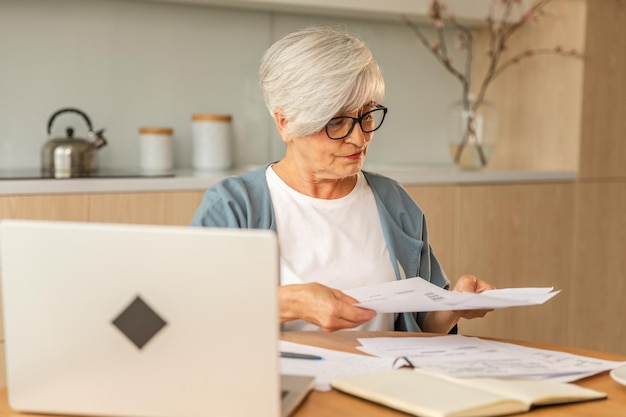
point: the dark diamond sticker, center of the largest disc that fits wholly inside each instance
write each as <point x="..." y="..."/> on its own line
<point x="139" y="322"/>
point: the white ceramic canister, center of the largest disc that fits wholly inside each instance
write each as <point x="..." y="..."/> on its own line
<point x="156" y="150"/>
<point x="212" y="144"/>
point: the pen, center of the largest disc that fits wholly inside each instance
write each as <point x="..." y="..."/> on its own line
<point x="293" y="355"/>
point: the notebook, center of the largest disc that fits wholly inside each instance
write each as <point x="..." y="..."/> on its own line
<point x="135" y="320"/>
<point x="428" y="394"/>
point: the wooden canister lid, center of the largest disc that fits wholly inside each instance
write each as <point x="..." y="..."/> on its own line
<point x="208" y="117"/>
<point x="156" y="130"/>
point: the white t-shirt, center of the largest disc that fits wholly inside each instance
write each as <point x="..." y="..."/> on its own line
<point x="338" y="243"/>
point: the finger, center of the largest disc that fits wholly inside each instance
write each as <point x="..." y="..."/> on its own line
<point x="353" y="313"/>
<point x="348" y="320"/>
<point x="357" y="314"/>
<point x="483" y="286"/>
<point x="469" y="283"/>
<point x="466" y="283"/>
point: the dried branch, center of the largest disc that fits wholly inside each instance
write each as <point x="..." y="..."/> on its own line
<point x="435" y="49"/>
<point x="467" y="44"/>
<point x="490" y="76"/>
<point x="500" y="31"/>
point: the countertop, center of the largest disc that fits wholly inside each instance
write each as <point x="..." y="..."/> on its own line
<point x="187" y="180"/>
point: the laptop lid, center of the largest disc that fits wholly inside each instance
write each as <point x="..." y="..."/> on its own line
<point x="135" y="320"/>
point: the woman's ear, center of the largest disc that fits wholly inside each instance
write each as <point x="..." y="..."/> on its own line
<point x="281" y="123"/>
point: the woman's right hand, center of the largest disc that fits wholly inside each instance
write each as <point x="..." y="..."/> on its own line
<point x="327" y="308"/>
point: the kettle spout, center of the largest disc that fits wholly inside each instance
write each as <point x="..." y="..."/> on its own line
<point x="100" y="140"/>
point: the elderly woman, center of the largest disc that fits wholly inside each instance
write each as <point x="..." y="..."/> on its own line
<point x="338" y="227"/>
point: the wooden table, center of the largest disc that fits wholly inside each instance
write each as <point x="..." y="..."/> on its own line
<point x="336" y="404"/>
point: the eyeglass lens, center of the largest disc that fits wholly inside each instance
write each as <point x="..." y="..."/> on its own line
<point x="340" y="127"/>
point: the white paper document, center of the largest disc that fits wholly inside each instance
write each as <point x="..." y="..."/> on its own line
<point x="463" y="356"/>
<point x="417" y="294"/>
<point x="333" y="363"/>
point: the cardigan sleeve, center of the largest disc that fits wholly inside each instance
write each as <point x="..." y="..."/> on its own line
<point x="241" y="201"/>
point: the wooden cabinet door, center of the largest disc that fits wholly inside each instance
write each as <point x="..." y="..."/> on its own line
<point x="164" y="208"/>
<point x="519" y="235"/>
<point x="70" y="207"/>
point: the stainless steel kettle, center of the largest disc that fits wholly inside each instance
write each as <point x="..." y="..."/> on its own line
<point x="70" y="157"/>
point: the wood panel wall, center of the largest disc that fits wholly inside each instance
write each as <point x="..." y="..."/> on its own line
<point x="600" y="256"/>
<point x="603" y="131"/>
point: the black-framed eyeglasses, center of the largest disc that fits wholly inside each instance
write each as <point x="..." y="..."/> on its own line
<point x="341" y="126"/>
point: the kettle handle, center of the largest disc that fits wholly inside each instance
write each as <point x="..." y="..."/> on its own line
<point x="69" y="109"/>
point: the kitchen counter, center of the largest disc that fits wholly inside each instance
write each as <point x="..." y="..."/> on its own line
<point x="188" y="180"/>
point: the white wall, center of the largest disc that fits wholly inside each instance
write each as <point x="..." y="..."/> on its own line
<point x="129" y="64"/>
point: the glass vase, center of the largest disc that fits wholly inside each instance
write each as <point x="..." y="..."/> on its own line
<point x="473" y="132"/>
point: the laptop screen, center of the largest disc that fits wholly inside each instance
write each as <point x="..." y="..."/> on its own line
<point x="118" y="320"/>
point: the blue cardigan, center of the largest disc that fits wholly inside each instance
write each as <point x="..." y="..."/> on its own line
<point x="243" y="201"/>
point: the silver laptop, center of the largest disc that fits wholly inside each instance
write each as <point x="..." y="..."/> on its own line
<point x="142" y="321"/>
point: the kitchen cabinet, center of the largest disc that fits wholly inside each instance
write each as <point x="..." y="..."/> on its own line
<point x="520" y="236"/>
<point x="171" y="208"/>
<point x="439" y="205"/>
<point x="72" y="207"/>
<point x="599" y="279"/>
<point x="471" y="12"/>
<point x="3" y="368"/>
<point x="512" y="235"/>
<point x="168" y="208"/>
<point x="570" y="235"/>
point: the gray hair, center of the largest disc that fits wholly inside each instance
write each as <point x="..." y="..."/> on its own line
<point x="315" y="73"/>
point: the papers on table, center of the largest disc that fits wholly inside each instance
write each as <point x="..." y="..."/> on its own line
<point x="333" y="363"/>
<point x="463" y="356"/>
<point x="417" y="294"/>
<point x="455" y="355"/>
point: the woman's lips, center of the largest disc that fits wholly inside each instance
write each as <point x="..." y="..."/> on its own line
<point x="355" y="156"/>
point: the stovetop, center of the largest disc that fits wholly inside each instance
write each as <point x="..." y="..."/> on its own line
<point x="30" y="174"/>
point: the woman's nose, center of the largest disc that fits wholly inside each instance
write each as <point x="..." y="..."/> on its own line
<point x="357" y="136"/>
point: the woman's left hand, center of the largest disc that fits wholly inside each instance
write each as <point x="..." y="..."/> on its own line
<point x="469" y="283"/>
<point x="443" y="321"/>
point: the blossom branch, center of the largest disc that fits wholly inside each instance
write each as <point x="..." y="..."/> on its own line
<point x="437" y="12"/>
<point x="537" y="9"/>
<point x="500" y="31"/>
<point x="499" y="36"/>
<point x="492" y="75"/>
<point x="435" y="49"/>
<point x="534" y="52"/>
<point x="467" y="43"/>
